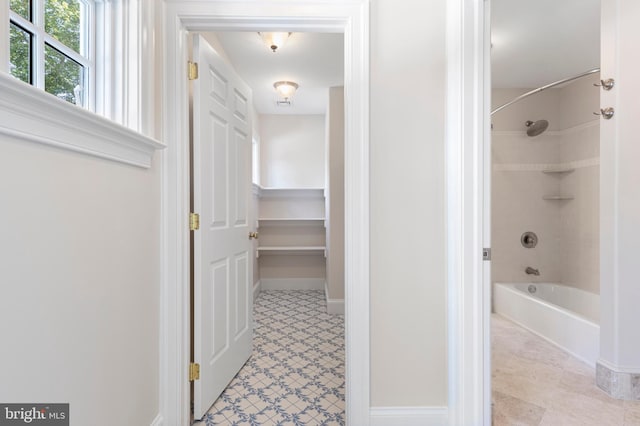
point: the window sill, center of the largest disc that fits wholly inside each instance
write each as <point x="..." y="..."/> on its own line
<point x="30" y="114"/>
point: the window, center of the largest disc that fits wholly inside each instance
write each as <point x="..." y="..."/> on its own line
<point x="255" y="161"/>
<point x="50" y="47"/>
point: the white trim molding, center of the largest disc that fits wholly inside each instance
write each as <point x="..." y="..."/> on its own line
<point x="181" y="16"/>
<point x="409" y="416"/>
<point x="257" y="288"/>
<point x="467" y="178"/>
<point x="334" y="306"/>
<point x="31" y="114"/>
<point x="157" y="421"/>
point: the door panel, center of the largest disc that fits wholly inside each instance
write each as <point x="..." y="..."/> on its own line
<point x="222" y="276"/>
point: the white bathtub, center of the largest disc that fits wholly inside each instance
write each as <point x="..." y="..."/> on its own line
<point x="566" y="316"/>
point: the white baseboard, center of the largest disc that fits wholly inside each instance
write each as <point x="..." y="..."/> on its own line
<point x="257" y="287"/>
<point x="292" y="283"/>
<point x="157" y="421"/>
<point x="334" y="306"/>
<point x="409" y="416"/>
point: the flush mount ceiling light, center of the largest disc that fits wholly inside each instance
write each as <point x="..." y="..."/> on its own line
<point x="285" y="89"/>
<point x="274" y="40"/>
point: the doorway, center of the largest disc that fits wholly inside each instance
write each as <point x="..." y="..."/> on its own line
<point x="544" y="173"/>
<point x="297" y="366"/>
<point x="181" y="17"/>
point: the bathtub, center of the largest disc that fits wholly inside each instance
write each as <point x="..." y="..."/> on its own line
<point x="565" y="316"/>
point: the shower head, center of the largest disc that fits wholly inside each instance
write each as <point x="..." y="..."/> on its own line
<point x="537" y="127"/>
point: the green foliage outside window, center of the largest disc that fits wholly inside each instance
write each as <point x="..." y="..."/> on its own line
<point x="22" y="8"/>
<point x="62" y="20"/>
<point x="20" y="53"/>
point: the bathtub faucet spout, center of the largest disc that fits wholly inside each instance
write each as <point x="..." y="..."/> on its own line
<point x="532" y="271"/>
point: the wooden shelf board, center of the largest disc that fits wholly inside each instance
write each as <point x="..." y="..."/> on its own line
<point x="557" y="197"/>
<point x="558" y="171"/>
<point x="291" y="250"/>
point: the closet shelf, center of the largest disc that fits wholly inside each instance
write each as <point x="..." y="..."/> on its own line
<point x="557" y="197"/>
<point x="291" y="221"/>
<point x="267" y="192"/>
<point x="291" y="250"/>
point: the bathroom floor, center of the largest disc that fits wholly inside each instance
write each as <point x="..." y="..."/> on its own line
<point x="295" y="375"/>
<point x="536" y="383"/>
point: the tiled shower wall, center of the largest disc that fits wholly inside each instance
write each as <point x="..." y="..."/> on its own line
<point x="568" y="231"/>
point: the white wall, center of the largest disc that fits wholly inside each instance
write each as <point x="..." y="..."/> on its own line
<point x="408" y="265"/>
<point x="80" y="284"/>
<point x="568" y="246"/>
<point x="292" y="151"/>
<point x="620" y="203"/>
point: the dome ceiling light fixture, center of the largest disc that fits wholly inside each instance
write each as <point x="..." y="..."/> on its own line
<point x="285" y="90"/>
<point x="274" y="41"/>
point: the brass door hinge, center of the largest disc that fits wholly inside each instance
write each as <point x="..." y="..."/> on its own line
<point x="194" y="372"/>
<point x="193" y="70"/>
<point x="194" y="221"/>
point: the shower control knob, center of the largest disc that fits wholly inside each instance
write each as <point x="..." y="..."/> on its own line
<point x="606" y="84"/>
<point x="606" y="113"/>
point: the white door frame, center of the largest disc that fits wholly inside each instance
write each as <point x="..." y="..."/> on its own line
<point x="468" y="198"/>
<point x="179" y="17"/>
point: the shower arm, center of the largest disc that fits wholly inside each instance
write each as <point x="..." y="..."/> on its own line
<point x="548" y="86"/>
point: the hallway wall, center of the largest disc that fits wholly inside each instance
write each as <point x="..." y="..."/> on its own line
<point x="80" y="283"/>
<point x="408" y="263"/>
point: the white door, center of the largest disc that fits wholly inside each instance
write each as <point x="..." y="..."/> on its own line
<point x="222" y="250"/>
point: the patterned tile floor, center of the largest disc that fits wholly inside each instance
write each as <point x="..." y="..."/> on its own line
<point x="536" y="383"/>
<point x="295" y="375"/>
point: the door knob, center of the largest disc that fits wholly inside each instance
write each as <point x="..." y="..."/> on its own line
<point x="253" y="235"/>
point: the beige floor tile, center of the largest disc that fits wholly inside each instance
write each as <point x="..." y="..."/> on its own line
<point x="585" y="384"/>
<point x="535" y="372"/>
<point x="560" y="418"/>
<point x="522" y="387"/>
<point x="510" y="411"/>
<point x="631" y="413"/>
<point x="582" y="406"/>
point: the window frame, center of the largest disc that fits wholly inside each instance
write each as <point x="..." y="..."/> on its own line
<point x="124" y="122"/>
<point x="40" y="39"/>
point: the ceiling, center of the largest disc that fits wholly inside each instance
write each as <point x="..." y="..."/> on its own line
<point x="542" y="41"/>
<point x="313" y="60"/>
<point x="534" y="43"/>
